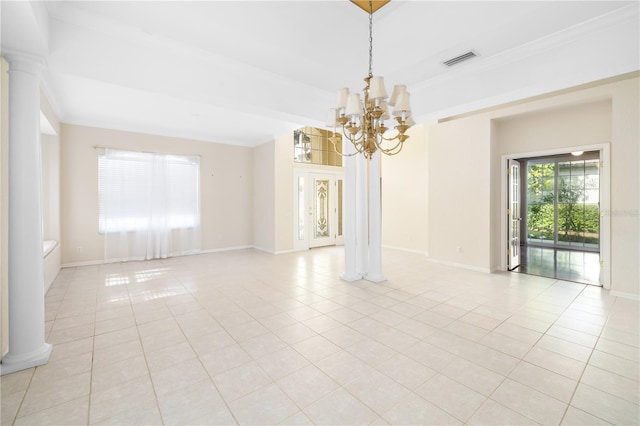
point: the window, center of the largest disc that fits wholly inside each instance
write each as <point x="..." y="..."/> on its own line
<point x="144" y="191"/>
<point x="315" y="146"/>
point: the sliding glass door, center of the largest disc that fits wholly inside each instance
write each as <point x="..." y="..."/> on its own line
<point x="578" y="204"/>
<point x="563" y="208"/>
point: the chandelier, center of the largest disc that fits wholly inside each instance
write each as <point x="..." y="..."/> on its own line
<point x="363" y="123"/>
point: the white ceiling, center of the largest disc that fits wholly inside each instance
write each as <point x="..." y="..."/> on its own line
<point x="243" y="72"/>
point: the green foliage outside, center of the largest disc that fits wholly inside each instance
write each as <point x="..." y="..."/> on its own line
<point x="577" y="221"/>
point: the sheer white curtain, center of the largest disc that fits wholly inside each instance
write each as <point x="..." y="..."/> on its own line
<point x="149" y="205"/>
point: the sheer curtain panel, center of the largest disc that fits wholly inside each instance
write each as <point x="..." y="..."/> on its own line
<point x="149" y="205"/>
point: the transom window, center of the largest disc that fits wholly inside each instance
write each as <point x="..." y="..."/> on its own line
<point x="312" y="145"/>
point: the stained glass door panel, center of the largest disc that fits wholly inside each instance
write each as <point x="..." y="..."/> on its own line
<point x="321" y="210"/>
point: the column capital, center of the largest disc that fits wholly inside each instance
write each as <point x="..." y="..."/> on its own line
<point x="24" y="62"/>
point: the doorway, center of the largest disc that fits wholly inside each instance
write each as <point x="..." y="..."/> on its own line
<point x="555" y="222"/>
<point x="318" y="205"/>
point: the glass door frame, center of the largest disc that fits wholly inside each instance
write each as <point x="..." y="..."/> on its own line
<point x="500" y="177"/>
<point x="303" y="208"/>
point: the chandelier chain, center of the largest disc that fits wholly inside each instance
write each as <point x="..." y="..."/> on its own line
<point x="370" y="38"/>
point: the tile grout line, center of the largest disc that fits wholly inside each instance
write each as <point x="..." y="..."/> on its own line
<point x="16" y="416"/>
<point x="93" y="350"/>
<point x="226" y="404"/>
<point x="587" y="364"/>
<point x="437" y="372"/>
<point x="521" y="360"/>
<point x="488" y="397"/>
<point x="144" y="353"/>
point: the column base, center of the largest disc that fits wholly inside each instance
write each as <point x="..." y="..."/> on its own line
<point x="350" y="277"/>
<point x="375" y="278"/>
<point x="12" y="363"/>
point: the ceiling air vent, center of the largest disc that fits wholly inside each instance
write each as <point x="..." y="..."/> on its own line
<point x="465" y="56"/>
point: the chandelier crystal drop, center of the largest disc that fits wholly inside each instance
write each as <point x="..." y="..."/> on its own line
<point x="363" y="122"/>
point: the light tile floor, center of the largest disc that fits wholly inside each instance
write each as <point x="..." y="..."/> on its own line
<point x="251" y="338"/>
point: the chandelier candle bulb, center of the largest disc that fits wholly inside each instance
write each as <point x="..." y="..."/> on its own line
<point x="384" y="106"/>
<point x="331" y="118"/>
<point x="343" y="95"/>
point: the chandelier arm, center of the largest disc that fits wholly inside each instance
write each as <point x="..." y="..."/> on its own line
<point x="392" y="151"/>
<point x="382" y="137"/>
<point x="355" y="141"/>
<point x="389" y="154"/>
<point x="352" y="137"/>
<point x="337" y="151"/>
<point x="335" y="148"/>
<point x="379" y="145"/>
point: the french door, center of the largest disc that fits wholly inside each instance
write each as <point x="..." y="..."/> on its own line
<point x="513" y="215"/>
<point x="318" y="214"/>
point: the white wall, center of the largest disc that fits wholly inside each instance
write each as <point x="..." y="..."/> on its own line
<point x="264" y="197"/>
<point x="459" y="192"/>
<point x="405" y="198"/>
<point x="226" y="181"/>
<point x="465" y="173"/>
<point x="283" y="181"/>
<point x="625" y="187"/>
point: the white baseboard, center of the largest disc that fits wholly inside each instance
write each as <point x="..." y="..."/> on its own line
<point x="177" y="254"/>
<point x="85" y="263"/>
<point x="459" y="265"/>
<point x="424" y="253"/>
<point x="223" y="249"/>
<point x="275" y="252"/>
<point x="625" y="295"/>
<point x="262" y="249"/>
<point x="285" y="251"/>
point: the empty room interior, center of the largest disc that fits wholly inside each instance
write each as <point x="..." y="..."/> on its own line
<point x="320" y="212"/>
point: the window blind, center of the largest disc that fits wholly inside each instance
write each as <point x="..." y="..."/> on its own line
<point x="142" y="191"/>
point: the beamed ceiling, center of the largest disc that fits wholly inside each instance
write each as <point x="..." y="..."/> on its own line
<point x="243" y="72"/>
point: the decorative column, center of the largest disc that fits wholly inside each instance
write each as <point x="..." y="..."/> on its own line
<point x="362" y="216"/>
<point x="27" y="346"/>
<point x="349" y="273"/>
<point x="374" y="273"/>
